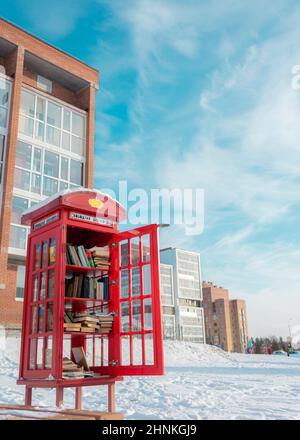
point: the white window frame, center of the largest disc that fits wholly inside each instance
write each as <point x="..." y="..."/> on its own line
<point x="43" y="146"/>
<point x="43" y="142"/>
<point x="4" y="132"/>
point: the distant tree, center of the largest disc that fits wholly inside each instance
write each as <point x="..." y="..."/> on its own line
<point x="282" y="344"/>
<point x="258" y="343"/>
<point x="275" y="344"/>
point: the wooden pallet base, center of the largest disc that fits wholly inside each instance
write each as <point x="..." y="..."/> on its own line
<point x="26" y="412"/>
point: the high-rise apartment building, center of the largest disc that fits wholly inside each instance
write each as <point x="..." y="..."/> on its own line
<point x="189" y="317"/>
<point x="239" y="325"/>
<point x="167" y="301"/>
<point x="47" y="104"/>
<point x="217" y="316"/>
<point x="225" y="320"/>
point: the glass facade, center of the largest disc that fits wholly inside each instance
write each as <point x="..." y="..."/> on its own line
<point x="5" y="87"/>
<point x="20" y="282"/>
<point x="56" y="125"/>
<point x="167" y="301"/>
<point x="5" y="90"/>
<point x="189" y="317"/>
<point x="50" y="157"/>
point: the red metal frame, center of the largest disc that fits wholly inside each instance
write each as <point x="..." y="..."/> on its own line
<point x="134" y="267"/>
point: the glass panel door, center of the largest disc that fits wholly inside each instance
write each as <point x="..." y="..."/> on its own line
<point x="139" y="311"/>
<point x="41" y="295"/>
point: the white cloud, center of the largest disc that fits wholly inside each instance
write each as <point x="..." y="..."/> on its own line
<point x="237" y="136"/>
<point x="55" y="19"/>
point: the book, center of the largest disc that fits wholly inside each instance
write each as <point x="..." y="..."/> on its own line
<point x="100" y="252"/>
<point x="75" y="255"/>
<point x="86" y="319"/>
<point x="52" y="252"/>
<point x="70" y="257"/>
<point x="72" y="324"/>
<point x="80" y="358"/>
<point x="90" y="259"/>
<point x="82" y="256"/>
<point x="91" y="325"/>
<point x="67" y="318"/>
<point x="73" y="375"/>
<point x="70" y="368"/>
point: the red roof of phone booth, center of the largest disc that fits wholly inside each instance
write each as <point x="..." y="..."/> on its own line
<point x="89" y="201"/>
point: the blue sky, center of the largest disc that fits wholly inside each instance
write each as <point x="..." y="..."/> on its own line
<point x="197" y="94"/>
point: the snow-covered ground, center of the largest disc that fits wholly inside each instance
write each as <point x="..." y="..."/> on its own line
<point x="200" y="382"/>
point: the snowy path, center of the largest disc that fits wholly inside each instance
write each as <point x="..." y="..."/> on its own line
<point x="201" y="382"/>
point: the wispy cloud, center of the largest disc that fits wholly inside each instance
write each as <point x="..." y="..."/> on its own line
<point x="54" y="19"/>
<point x="209" y="104"/>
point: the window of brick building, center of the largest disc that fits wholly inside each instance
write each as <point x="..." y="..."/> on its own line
<point x="20" y="282"/>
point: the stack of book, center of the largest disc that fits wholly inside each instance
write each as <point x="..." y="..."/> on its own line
<point x="72" y="327"/>
<point x="79" y="256"/>
<point x="80" y="286"/>
<point x="71" y="370"/>
<point x="86" y="323"/>
<point x="101" y="258"/>
<point x="105" y="322"/>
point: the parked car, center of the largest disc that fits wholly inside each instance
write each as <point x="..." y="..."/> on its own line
<point x="279" y="352"/>
<point x="295" y="354"/>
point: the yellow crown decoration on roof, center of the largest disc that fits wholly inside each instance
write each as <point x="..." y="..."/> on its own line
<point x="96" y="203"/>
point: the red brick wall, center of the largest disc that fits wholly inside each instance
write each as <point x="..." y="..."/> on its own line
<point x="30" y="78"/>
<point x="10" y="309"/>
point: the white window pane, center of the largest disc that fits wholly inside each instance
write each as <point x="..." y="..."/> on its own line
<point x="66" y="119"/>
<point x="20" y="281"/>
<point x="64" y="166"/>
<point x="40" y="108"/>
<point x="17" y="237"/>
<point x="76" y="169"/>
<point x="77" y="145"/>
<point x="78" y="125"/>
<point x="36" y="183"/>
<point x="63" y="186"/>
<point x="65" y="143"/>
<point x="19" y="205"/>
<point x="27" y="103"/>
<point x="4" y="92"/>
<point x="22" y="179"/>
<point x="37" y="160"/>
<point x="53" y="136"/>
<point x="23" y="155"/>
<point x="2" y="140"/>
<point x="3" y="117"/>
<point x="26" y="125"/>
<point x="44" y="84"/>
<point x="39" y="130"/>
<point x="54" y="114"/>
<point x="51" y="164"/>
<point x="50" y="186"/>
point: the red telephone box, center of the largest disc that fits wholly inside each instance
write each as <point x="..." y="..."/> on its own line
<point x="133" y="345"/>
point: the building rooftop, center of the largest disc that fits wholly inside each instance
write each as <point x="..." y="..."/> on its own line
<point x="46" y="59"/>
<point x="179" y="249"/>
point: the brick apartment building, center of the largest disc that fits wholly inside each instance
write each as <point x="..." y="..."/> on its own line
<point x="225" y="320"/>
<point x="239" y="325"/>
<point x="47" y="105"/>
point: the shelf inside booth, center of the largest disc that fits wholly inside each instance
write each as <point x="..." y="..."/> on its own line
<point x="71" y="267"/>
<point x="87" y="334"/>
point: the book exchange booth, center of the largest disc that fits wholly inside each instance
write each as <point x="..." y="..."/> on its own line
<point x="92" y="309"/>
